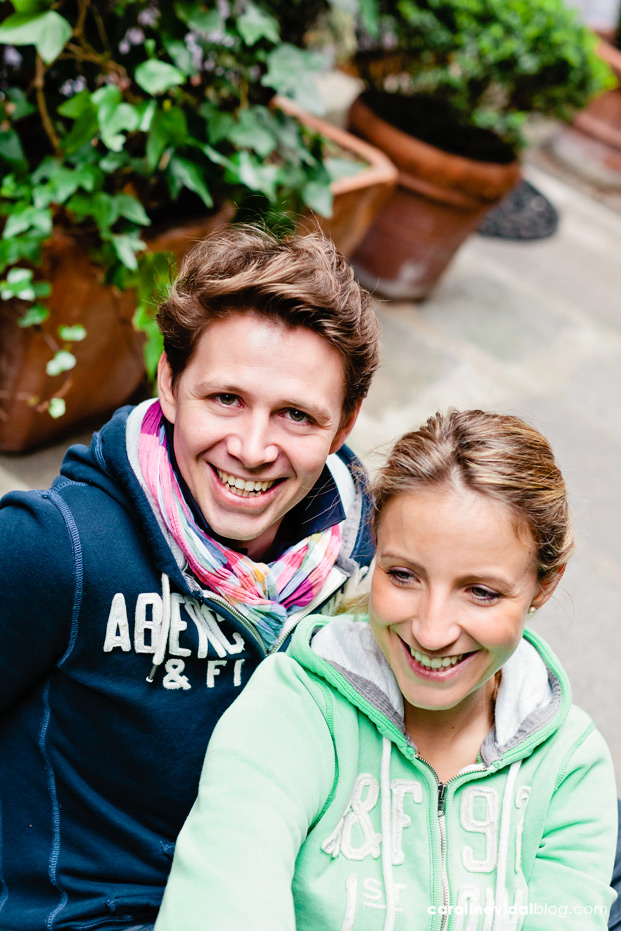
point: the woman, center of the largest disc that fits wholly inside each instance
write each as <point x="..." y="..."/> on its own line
<point x="422" y="767"/>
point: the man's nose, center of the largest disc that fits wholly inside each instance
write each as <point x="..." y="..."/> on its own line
<point x="252" y="442"/>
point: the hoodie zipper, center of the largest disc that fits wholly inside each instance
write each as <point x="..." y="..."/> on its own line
<point x="442" y="790"/>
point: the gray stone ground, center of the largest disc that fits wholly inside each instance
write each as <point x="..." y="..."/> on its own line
<point x="532" y="329"/>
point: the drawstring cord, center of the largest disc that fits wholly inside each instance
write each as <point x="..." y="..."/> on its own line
<point x="162" y="642"/>
<point x="389" y="887"/>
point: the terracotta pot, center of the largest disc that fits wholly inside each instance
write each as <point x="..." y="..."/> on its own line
<point x="357" y="198"/>
<point x="109" y="365"/>
<point x="441" y="198"/>
<point x="592" y="144"/>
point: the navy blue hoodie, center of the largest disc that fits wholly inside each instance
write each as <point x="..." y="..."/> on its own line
<point x="98" y="766"/>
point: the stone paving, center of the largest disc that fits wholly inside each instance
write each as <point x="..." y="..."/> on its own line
<point x="532" y="329"/>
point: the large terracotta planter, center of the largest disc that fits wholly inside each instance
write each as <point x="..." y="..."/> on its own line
<point x="592" y="144"/>
<point x="109" y="365"/>
<point x="357" y="198"/>
<point x="439" y="201"/>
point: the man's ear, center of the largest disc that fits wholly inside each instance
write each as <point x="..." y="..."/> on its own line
<point x="345" y="429"/>
<point x="165" y="390"/>
<point x="547" y="588"/>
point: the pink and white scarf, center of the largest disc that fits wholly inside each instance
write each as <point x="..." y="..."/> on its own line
<point x="265" y="594"/>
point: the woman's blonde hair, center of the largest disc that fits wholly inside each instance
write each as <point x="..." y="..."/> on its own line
<point x="493" y="454"/>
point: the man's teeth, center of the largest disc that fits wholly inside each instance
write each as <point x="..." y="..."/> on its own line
<point x="243" y="487"/>
<point x="436" y="662"/>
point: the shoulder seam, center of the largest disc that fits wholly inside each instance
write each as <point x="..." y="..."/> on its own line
<point x="78" y="566"/>
<point x="565" y="761"/>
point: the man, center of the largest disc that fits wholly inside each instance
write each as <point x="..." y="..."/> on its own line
<point x="143" y="588"/>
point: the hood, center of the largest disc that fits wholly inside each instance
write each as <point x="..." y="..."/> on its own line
<point x="534" y="692"/>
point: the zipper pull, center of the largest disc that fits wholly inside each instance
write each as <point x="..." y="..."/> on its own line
<point x="441" y="797"/>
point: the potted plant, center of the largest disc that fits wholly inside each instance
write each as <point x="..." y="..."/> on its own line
<point x="592" y="144"/>
<point x="119" y="119"/>
<point x="449" y="86"/>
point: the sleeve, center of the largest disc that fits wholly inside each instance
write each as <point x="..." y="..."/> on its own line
<point x="569" y="885"/>
<point x="268" y="772"/>
<point x="37" y="583"/>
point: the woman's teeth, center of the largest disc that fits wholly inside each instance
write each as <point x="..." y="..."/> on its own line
<point x="436" y="662"/>
<point x="242" y="487"/>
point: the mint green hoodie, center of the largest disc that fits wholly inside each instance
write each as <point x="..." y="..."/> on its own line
<point x="315" y="813"/>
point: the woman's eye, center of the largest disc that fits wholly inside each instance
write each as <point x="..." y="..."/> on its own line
<point x="401" y="576"/>
<point x="485" y="595"/>
<point x="297" y="416"/>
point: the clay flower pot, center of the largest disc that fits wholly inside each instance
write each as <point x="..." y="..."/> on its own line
<point x="440" y="199"/>
<point x="592" y="144"/>
<point x="109" y="366"/>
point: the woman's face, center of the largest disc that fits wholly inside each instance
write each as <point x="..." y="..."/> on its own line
<point x="454" y="579"/>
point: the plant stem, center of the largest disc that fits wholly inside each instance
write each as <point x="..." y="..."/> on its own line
<point x="45" y="117"/>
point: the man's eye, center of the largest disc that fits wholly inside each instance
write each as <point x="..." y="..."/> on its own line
<point x="297" y="416"/>
<point x="227" y="399"/>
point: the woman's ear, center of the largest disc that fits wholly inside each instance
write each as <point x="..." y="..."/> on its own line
<point x="165" y="390"/>
<point x="547" y="588"/>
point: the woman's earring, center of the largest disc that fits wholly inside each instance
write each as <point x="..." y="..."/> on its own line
<point x="532" y="609"/>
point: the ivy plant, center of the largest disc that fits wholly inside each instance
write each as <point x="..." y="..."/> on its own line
<point x="115" y="112"/>
<point x="465" y="74"/>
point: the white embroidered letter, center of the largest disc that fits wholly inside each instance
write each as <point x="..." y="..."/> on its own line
<point x="487" y="825"/>
<point x="213" y="670"/>
<point x="177" y="625"/>
<point x="400" y="788"/>
<point x="117" y="630"/>
<point x="173" y="678"/>
<point x="357" y="814"/>
<point x="145" y="601"/>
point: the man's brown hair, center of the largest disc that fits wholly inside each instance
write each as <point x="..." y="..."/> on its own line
<point x="301" y="281"/>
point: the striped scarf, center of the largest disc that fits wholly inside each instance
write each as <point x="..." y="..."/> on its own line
<point x="265" y="594"/>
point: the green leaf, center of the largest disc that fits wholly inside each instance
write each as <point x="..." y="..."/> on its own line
<point x="184" y="173"/>
<point x="254" y="24"/>
<point x="251" y="132"/>
<point x="257" y="176"/>
<point x="63" y="361"/>
<point x="49" y="32"/>
<point x="219" y="122"/>
<point x="291" y="73"/>
<point x="34" y="316"/>
<point x="197" y="18"/>
<point x="128" y="207"/>
<point x="123" y="118"/>
<point x="19" y="283"/>
<point x="27" y="217"/>
<point x="11" y="148"/>
<point x="168" y="128"/>
<point x="369" y="15"/>
<point x="125" y="246"/>
<point x="76" y="106"/>
<point x="343" y="168"/>
<point x="57" y="408"/>
<point x="318" y="197"/>
<point x="21" y="104"/>
<point x="156" y="77"/>
<point x="73" y="334"/>
<point x="100" y="206"/>
<point x="181" y="55"/>
<point x="62" y="184"/>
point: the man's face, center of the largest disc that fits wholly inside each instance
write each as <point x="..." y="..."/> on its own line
<point x="257" y="410"/>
